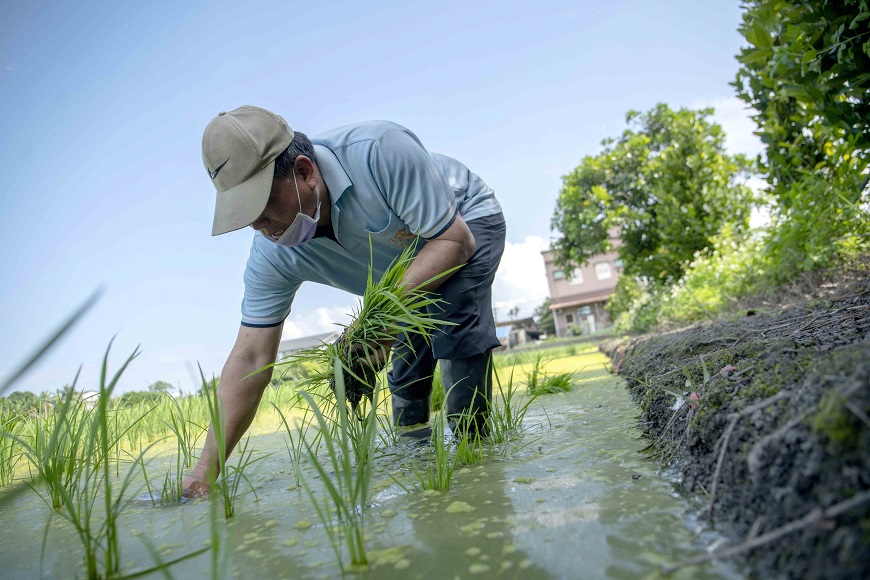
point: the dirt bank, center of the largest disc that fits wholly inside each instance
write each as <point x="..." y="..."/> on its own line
<point x="765" y="415"/>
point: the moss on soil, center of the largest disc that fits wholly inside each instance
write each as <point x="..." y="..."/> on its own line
<point x="805" y="450"/>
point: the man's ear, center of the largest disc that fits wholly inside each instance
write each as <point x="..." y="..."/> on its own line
<point x="305" y="167"/>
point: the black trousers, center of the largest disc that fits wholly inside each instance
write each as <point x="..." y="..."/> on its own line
<point x="467" y="299"/>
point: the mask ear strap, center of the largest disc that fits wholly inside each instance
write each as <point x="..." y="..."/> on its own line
<point x="297" y="191"/>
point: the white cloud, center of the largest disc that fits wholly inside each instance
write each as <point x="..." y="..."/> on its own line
<point x="521" y="280"/>
<point x="735" y="117"/>
<point x="317" y="321"/>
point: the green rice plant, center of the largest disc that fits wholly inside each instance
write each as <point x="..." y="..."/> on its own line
<point x="388" y="433"/>
<point x="295" y="439"/>
<point x="228" y="478"/>
<point x="172" y="490"/>
<point x="507" y="411"/>
<point x="58" y="448"/>
<point x="350" y="449"/>
<point x="186" y="431"/>
<point x="539" y="382"/>
<point x="97" y="540"/>
<point x="436" y="399"/>
<point x="387" y="308"/>
<point x="10" y="451"/>
<point x="469" y="446"/>
<point x="442" y="462"/>
<point x="86" y="436"/>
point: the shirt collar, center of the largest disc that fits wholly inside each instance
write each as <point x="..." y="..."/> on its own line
<point x="333" y="173"/>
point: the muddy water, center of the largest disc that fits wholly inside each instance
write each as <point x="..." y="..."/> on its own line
<point x="577" y="501"/>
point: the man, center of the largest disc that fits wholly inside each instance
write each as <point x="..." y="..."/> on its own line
<point x="315" y="205"/>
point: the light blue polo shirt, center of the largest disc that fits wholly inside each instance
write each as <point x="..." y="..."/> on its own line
<point x="383" y="185"/>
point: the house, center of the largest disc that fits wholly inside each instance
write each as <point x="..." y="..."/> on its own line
<point x="89" y="398"/>
<point x="578" y="301"/>
<point x="294" y="345"/>
<point x="514" y="332"/>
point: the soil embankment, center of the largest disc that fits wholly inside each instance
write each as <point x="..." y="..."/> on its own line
<point x="766" y="416"/>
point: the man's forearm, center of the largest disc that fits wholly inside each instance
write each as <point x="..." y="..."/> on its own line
<point x="239" y="399"/>
<point x="451" y="249"/>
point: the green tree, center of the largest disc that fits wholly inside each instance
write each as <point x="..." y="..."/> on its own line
<point x="160" y="387"/>
<point x="666" y="185"/>
<point x="806" y="72"/>
<point x="21" y="402"/>
<point x="544" y="318"/>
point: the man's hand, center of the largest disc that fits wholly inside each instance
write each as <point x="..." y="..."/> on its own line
<point x="194" y="487"/>
<point x="365" y="362"/>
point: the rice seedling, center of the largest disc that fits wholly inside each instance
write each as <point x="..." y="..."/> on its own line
<point x="346" y="497"/>
<point x="73" y="462"/>
<point x="388" y="433"/>
<point x="58" y="447"/>
<point x="507" y="411"/>
<point x="539" y="382"/>
<point x="295" y="439"/>
<point x="227" y="479"/>
<point x="436" y="399"/>
<point x="10" y="451"/>
<point x="442" y="462"/>
<point x="387" y="309"/>
<point x="186" y="431"/>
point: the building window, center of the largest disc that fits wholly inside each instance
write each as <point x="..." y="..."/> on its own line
<point x="602" y="270"/>
<point x="584" y="311"/>
<point x="558" y="274"/>
<point x="569" y="319"/>
<point x="576" y="278"/>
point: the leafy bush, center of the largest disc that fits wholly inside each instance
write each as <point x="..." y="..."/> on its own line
<point x="665" y="186"/>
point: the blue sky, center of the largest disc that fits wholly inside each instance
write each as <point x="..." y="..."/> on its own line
<point x="104" y="103"/>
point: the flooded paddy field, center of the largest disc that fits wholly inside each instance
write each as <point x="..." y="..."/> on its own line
<point x="572" y="499"/>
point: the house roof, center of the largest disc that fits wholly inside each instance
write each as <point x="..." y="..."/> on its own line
<point x="518" y="323"/>
<point x="306" y="342"/>
<point x="582" y="299"/>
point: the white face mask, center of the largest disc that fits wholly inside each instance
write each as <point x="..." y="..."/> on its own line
<point x="303" y="227"/>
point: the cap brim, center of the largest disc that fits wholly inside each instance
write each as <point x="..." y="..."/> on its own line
<point x="240" y="206"/>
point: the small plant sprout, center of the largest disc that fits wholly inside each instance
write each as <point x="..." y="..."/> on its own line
<point x="350" y="446"/>
<point x="507" y="411"/>
<point x="442" y="461"/>
<point x="228" y="478"/>
<point x="11" y="427"/>
<point x="295" y="439"/>
<point x="540" y="382"/>
<point x="186" y="431"/>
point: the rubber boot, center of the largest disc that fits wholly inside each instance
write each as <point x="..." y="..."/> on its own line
<point x="410" y="412"/>
<point x="468" y="386"/>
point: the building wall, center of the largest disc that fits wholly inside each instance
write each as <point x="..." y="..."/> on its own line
<point x="571" y="317"/>
<point x="579" y="300"/>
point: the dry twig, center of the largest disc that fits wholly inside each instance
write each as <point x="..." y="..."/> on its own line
<point x="817" y="515"/>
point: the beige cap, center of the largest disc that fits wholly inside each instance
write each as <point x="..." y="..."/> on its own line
<point x="239" y="150"/>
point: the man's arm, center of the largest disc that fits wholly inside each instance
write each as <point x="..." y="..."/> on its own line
<point x="254" y="349"/>
<point x="452" y="248"/>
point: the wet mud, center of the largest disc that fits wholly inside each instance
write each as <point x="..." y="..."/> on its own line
<point x="765" y="417"/>
<point x="576" y="500"/>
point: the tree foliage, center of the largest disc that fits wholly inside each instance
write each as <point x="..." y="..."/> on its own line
<point x="543" y="317"/>
<point x="806" y="72"/>
<point x="666" y="185"/>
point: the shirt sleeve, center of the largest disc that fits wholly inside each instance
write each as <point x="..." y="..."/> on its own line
<point x="411" y="184"/>
<point x="269" y="292"/>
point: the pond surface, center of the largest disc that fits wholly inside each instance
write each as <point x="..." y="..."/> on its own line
<point x="578" y="501"/>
